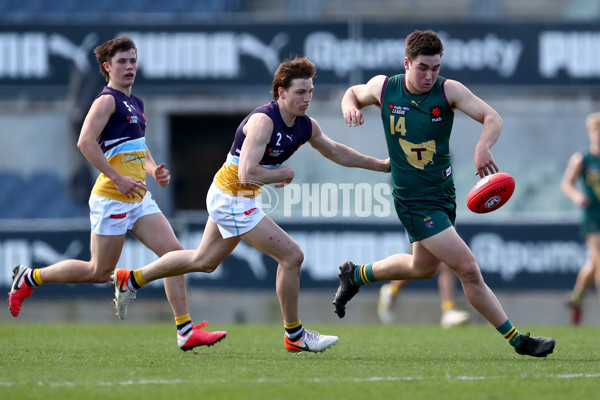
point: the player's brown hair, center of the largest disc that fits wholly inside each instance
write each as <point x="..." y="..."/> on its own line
<point x="290" y="69"/>
<point x="106" y="51"/>
<point x="426" y="43"/>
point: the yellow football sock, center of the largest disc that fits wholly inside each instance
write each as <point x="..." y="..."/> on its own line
<point x="36" y="275"/>
<point x="292" y="325"/>
<point x="182" y="319"/>
<point x="448" y="305"/>
<point x="139" y="279"/>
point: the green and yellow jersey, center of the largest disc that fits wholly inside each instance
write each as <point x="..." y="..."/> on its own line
<point x="417" y="130"/>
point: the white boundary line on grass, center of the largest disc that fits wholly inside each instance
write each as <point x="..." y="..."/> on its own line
<point x="317" y="380"/>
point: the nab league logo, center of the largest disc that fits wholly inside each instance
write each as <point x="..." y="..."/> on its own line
<point x="401" y="110"/>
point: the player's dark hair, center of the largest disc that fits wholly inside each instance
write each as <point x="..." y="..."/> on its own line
<point x="290" y="69"/>
<point x="106" y="51"/>
<point x="426" y="43"/>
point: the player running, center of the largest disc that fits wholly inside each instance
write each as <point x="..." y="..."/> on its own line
<point x="417" y="110"/>
<point x="113" y="139"/>
<point x="266" y="138"/>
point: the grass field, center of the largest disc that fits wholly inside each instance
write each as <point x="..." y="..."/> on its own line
<point x="109" y="361"/>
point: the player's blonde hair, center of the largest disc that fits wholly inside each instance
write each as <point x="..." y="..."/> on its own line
<point x="593" y="120"/>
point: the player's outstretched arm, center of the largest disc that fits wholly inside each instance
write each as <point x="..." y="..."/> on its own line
<point x="342" y="154"/>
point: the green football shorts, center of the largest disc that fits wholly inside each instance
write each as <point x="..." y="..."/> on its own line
<point x="590" y="223"/>
<point x="426" y="215"/>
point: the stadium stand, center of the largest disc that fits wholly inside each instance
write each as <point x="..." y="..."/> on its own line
<point x="46" y="197"/>
<point x="10" y="184"/>
<point x="459" y="10"/>
<point x="41" y="9"/>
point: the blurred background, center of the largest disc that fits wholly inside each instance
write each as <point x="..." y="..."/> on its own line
<point x="203" y="65"/>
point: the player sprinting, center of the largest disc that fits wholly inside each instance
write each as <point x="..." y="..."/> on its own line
<point x="417" y="110"/>
<point x="585" y="167"/>
<point x="113" y="140"/>
<point x="266" y="138"/>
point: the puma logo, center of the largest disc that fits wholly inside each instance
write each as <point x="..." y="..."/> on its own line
<point x="62" y="46"/>
<point x="268" y="54"/>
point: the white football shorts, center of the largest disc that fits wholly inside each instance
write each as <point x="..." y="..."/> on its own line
<point x="233" y="215"/>
<point x="113" y="217"/>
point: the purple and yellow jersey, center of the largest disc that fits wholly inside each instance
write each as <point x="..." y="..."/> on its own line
<point x="284" y="142"/>
<point x="123" y="143"/>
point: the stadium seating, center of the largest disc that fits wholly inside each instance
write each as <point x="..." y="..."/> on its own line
<point x="458" y="10"/>
<point x="54" y="8"/>
<point x="42" y="195"/>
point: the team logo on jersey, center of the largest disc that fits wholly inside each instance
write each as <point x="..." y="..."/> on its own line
<point x="418" y="154"/>
<point x="401" y="110"/>
<point x="435" y="113"/>
<point x="428" y="222"/>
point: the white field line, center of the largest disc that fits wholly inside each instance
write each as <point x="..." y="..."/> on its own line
<point x="316" y="380"/>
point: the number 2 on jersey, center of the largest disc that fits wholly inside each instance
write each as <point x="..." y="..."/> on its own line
<point x="397" y="126"/>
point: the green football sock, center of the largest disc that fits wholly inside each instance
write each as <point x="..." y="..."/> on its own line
<point x="363" y="275"/>
<point x="510" y="333"/>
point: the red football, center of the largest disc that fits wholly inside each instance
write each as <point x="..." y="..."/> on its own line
<point x="491" y="193"/>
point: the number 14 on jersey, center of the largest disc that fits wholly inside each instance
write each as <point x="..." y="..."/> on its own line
<point x="398" y="126"/>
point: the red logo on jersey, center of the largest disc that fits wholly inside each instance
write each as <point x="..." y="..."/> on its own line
<point x="118" y="216"/>
<point x="248" y="212"/>
<point x="436" y="114"/>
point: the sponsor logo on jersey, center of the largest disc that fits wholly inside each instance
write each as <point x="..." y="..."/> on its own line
<point x="129" y="159"/>
<point x="435" y="113"/>
<point x="447" y="172"/>
<point x="132" y="119"/>
<point x="248" y="212"/>
<point x="401" y="110"/>
<point x="118" y="216"/>
<point x="275" y="152"/>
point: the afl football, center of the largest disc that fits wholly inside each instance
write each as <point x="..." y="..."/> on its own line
<point x="491" y="192"/>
